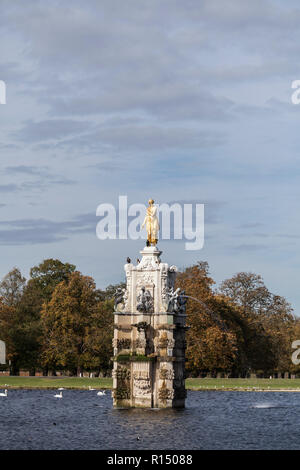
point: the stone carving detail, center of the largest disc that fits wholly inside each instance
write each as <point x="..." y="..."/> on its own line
<point x="128" y="287"/>
<point x="145" y="279"/>
<point x="125" y="300"/>
<point x="149" y="354"/>
<point x="164" y="285"/>
<point x="147" y="263"/>
<point x="141" y="375"/>
<point x="141" y="383"/>
<point x="121" y="297"/>
<point x="166" y="374"/>
<point x="141" y="387"/>
<point x="141" y="341"/>
<point x="164" y="393"/>
<point x="176" y="301"/>
<point x="144" y="301"/>
<point x="121" y="373"/>
<point x="172" y="299"/>
<point x="122" y="392"/>
<point x="163" y="342"/>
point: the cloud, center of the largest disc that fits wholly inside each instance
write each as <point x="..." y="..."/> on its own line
<point x="8" y="188"/>
<point x="50" y="130"/>
<point x="44" y="178"/>
<point x="27" y="170"/>
<point x="145" y="139"/>
<point x="11" y="72"/>
<point x="172" y="99"/>
<point x="168" y="101"/>
<point x="36" y="231"/>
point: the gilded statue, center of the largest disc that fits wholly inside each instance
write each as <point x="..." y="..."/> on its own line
<point x="152" y="223"/>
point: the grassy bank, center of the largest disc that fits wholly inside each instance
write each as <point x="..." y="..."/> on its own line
<point x="55" y="382"/>
<point x="191" y="384"/>
<point x="243" y="384"/>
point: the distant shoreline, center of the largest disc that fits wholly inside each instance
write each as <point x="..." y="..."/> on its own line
<point x="193" y="384"/>
<point x="296" y="390"/>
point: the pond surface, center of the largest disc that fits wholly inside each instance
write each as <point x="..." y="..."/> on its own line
<point x="34" y="419"/>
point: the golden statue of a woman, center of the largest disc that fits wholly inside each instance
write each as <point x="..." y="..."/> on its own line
<point x="152" y="224"/>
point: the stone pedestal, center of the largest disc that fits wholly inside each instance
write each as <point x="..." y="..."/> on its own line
<point x="149" y="337"/>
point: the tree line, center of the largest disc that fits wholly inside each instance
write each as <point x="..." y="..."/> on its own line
<point x="58" y="320"/>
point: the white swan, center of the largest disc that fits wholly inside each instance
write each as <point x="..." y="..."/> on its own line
<point x="3" y="394"/>
<point x="91" y="389"/>
<point x="101" y="393"/>
<point x="59" y="395"/>
<point x="61" y="388"/>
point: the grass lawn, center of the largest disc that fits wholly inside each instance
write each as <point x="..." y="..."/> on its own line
<point x="191" y="384"/>
<point x="55" y="382"/>
<point x="243" y="384"/>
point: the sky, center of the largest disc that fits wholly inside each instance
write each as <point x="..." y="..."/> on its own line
<point x="177" y="101"/>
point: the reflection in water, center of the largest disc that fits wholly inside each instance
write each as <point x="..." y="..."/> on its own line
<point x="34" y="419"/>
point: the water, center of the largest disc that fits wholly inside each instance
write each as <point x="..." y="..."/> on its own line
<point x="34" y="419"/>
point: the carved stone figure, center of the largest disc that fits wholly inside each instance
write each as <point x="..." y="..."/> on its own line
<point x="176" y="301"/>
<point x="119" y="298"/>
<point x="144" y="301"/>
<point x="172" y="299"/>
<point x="141" y="341"/>
<point x="152" y="224"/>
<point x="181" y="302"/>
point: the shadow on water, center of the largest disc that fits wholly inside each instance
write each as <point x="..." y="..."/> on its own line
<point x="34" y="419"/>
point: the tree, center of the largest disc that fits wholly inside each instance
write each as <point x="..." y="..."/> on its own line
<point x="12" y="286"/>
<point x="99" y="338"/>
<point x="38" y="290"/>
<point x="280" y="324"/>
<point x="9" y="332"/>
<point x="67" y="319"/>
<point x="47" y="275"/>
<point x="212" y="342"/>
<point x="248" y="291"/>
<point x="14" y="328"/>
<point x="269" y="321"/>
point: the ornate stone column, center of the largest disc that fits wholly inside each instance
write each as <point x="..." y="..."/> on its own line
<point x="149" y="336"/>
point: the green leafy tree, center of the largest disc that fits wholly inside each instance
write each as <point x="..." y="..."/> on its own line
<point x="67" y="319"/>
<point x="269" y="321"/>
<point x="46" y="276"/>
<point x="99" y="338"/>
<point x="213" y="336"/>
<point x="28" y="301"/>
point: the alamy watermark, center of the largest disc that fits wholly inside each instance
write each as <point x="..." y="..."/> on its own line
<point x="178" y="221"/>
<point x="296" y="345"/>
<point x="296" y="95"/>
<point x="2" y="92"/>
